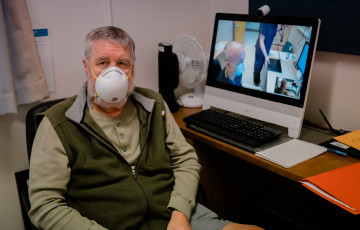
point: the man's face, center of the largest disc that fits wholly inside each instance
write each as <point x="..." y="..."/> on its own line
<point x="106" y="54"/>
<point x="237" y="56"/>
<point x="236" y="61"/>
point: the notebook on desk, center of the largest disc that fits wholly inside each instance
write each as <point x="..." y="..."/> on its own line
<point x="291" y="153"/>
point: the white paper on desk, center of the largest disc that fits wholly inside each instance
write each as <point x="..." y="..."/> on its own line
<point x="43" y="45"/>
<point x="291" y="153"/>
<point x="322" y="192"/>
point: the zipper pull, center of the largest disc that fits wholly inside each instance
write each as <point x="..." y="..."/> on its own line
<point x="134" y="173"/>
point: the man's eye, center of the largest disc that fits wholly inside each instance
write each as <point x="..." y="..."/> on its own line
<point x="102" y="63"/>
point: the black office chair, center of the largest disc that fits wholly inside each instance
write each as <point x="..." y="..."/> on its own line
<point x="32" y="123"/>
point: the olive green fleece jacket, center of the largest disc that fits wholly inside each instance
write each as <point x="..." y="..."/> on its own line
<point x="76" y="188"/>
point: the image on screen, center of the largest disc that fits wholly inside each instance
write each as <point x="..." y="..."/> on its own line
<point x="272" y="59"/>
<point x="301" y="64"/>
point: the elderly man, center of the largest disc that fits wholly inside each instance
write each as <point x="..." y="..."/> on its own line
<point x="113" y="157"/>
<point x="234" y="55"/>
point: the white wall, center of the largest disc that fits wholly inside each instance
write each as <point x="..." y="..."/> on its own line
<point x="335" y="89"/>
<point x="334" y="81"/>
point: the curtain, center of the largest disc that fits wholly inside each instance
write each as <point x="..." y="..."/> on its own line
<point x="22" y="78"/>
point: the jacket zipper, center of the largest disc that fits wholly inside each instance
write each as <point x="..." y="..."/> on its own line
<point x="133" y="172"/>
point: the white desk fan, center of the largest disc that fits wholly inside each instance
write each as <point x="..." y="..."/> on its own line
<point x="192" y="69"/>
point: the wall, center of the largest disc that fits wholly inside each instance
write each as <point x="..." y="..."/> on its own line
<point x="335" y="89"/>
<point x="335" y="80"/>
<point x="149" y="22"/>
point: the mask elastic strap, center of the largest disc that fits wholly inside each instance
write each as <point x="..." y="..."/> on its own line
<point x="93" y="72"/>
<point x="97" y="94"/>
<point x="232" y="64"/>
<point x="127" y="77"/>
<point x="231" y="70"/>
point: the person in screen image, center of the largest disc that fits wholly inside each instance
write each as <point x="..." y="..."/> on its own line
<point x="113" y="157"/>
<point x="216" y="69"/>
<point x="234" y="56"/>
<point x="267" y="33"/>
<point x="282" y="88"/>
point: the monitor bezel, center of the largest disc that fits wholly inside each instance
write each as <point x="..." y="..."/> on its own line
<point x="313" y="22"/>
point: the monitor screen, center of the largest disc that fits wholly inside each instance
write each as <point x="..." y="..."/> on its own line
<point x="259" y="64"/>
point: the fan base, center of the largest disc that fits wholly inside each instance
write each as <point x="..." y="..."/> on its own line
<point x="191" y="100"/>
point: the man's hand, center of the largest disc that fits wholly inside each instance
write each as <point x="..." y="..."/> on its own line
<point x="235" y="226"/>
<point x="178" y="221"/>
<point x="267" y="60"/>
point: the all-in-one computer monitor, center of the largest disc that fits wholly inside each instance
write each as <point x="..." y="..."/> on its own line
<point x="280" y="95"/>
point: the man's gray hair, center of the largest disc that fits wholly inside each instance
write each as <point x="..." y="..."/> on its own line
<point x="111" y="34"/>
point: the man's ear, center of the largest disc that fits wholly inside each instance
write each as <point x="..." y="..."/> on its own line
<point x="85" y="65"/>
<point x="227" y="63"/>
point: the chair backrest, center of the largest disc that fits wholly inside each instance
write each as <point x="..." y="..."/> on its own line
<point x="33" y="121"/>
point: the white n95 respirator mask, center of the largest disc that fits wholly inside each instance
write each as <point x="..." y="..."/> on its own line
<point x="112" y="84"/>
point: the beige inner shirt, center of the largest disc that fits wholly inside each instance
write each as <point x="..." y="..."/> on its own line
<point x="122" y="131"/>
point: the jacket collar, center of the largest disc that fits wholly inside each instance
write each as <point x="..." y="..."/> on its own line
<point x="77" y="109"/>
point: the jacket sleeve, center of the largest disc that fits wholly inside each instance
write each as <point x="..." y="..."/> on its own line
<point x="49" y="176"/>
<point x="185" y="166"/>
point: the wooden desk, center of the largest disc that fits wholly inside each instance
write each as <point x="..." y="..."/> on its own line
<point x="320" y="164"/>
<point x="235" y="181"/>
